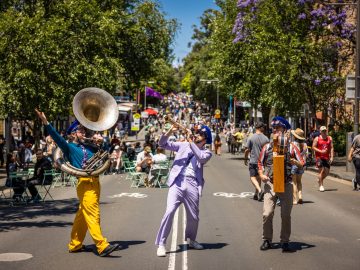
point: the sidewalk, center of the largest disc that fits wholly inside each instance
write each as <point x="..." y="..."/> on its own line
<point x="338" y="169"/>
<point x="141" y="136"/>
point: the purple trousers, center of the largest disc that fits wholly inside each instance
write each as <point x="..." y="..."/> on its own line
<point x="184" y="190"/>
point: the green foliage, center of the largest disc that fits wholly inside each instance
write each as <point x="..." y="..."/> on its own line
<point x="49" y="50"/>
<point x="339" y="141"/>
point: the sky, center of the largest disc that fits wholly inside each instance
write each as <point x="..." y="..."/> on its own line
<point x="188" y="13"/>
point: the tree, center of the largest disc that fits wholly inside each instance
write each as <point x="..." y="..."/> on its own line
<point x="296" y="45"/>
<point x="49" y="50"/>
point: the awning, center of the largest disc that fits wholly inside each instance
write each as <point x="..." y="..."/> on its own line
<point x="124" y="108"/>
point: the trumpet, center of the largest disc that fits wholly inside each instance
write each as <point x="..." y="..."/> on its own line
<point x="169" y="119"/>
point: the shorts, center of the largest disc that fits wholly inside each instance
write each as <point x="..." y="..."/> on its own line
<point x="320" y="163"/>
<point x="254" y="170"/>
<point x="296" y="170"/>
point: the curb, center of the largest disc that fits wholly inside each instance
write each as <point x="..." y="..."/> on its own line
<point x="312" y="169"/>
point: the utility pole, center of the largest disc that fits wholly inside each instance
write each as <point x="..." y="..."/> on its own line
<point x="149" y="82"/>
<point x="357" y="70"/>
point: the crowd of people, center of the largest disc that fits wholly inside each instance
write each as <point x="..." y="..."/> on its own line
<point x="193" y="137"/>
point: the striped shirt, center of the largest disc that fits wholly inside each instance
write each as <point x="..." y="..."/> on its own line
<point x="265" y="161"/>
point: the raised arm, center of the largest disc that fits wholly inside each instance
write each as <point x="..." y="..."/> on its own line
<point x="164" y="141"/>
<point x="201" y="155"/>
<point x="60" y="141"/>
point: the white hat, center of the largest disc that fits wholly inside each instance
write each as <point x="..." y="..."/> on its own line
<point x="116" y="147"/>
<point x="322" y="128"/>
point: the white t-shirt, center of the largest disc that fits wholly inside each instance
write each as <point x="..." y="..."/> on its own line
<point x="189" y="170"/>
<point x="157" y="159"/>
<point x="140" y="157"/>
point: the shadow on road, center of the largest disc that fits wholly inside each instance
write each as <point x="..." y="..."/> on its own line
<point x="25" y="215"/>
<point x="126" y="244"/>
<point x="184" y="247"/>
<point x="122" y="245"/>
<point x="331" y="189"/>
<point x="295" y="246"/>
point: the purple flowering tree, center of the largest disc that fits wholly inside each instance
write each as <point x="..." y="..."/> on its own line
<point x="298" y="50"/>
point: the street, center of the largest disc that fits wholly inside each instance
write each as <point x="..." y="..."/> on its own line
<point x="325" y="229"/>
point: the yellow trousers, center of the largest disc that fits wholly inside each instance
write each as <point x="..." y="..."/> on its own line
<point x="88" y="215"/>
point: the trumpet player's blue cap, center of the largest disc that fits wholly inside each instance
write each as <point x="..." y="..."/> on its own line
<point x="280" y="121"/>
<point x="73" y="127"/>
<point x="206" y="132"/>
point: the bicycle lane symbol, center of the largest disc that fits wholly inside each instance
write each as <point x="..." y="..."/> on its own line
<point x="130" y="195"/>
<point x="242" y="195"/>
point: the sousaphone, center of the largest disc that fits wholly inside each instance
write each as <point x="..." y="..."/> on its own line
<point x="96" y="110"/>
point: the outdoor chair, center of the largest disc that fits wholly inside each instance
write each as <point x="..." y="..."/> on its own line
<point x="46" y="184"/>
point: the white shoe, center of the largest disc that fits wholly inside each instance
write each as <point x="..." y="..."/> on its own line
<point x="321" y="188"/>
<point x="195" y="245"/>
<point x="161" y="251"/>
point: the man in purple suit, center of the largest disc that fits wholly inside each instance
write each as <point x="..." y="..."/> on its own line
<point x="186" y="182"/>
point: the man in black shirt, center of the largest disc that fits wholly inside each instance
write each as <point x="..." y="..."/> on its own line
<point x="42" y="164"/>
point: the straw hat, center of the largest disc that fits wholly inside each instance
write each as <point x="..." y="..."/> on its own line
<point x="298" y="133"/>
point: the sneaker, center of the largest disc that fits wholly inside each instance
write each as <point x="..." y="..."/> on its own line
<point x="195" y="245"/>
<point x="321" y="188"/>
<point x="300" y="201"/>
<point x="161" y="251"/>
<point x="265" y="245"/>
<point x="278" y="202"/>
<point x="255" y="197"/>
<point x="108" y="250"/>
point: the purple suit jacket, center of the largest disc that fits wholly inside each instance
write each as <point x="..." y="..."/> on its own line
<point x="184" y="150"/>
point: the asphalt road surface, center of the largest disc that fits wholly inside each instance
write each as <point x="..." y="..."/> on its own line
<point x="325" y="229"/>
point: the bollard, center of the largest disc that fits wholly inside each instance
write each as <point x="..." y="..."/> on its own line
<point x="349" y="165"/>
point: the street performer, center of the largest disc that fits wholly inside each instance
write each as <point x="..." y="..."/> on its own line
<point x="186" y="182"/>
<point x="292" y="156"/>
<point x="88" y="189"/>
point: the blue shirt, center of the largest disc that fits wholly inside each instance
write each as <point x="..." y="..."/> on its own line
<point x="73" y="152"/>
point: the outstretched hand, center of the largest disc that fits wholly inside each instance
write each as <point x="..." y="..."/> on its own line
<point x="42" y="116"/>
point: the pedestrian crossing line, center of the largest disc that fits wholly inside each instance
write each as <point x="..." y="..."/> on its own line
<point x="185" y="260"/>
<point x="172" y="257"/>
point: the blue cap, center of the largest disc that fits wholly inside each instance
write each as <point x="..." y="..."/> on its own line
<point x="280" y="121"/>
<point x="73" y="127"/>
<point x="207" y="132"/>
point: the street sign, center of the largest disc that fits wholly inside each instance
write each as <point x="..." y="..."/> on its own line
<point x="217" y="111"/>
<point x="144" y="115"/>
<point x="350" y="86"/>
<point x="136" y="116"/>
<point x="135" y="125"/>
<point x="217" y="116"/>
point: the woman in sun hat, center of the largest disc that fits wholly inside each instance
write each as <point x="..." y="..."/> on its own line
<point x="299" y="142"/>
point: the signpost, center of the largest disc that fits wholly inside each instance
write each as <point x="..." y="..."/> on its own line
<point x="217" y="114"/>
<point x="135" y="125"/>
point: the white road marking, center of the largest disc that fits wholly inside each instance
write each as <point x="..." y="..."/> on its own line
<point x="14" y="257"/>
<point x="242" y="195"/>
<point x="172" y="257"/>
<point x="185" y="263"/>
<point x="131" y="195"/>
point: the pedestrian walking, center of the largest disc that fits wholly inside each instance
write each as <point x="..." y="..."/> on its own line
<point x="266" y="171"/>
<point x="354" y="156"/>
<point x="299" y="142"/>
<point x="186" y="182"/>
<point x="253" y="147"/>
<point x="324" y="153"/>
<point x="88" y="189"/>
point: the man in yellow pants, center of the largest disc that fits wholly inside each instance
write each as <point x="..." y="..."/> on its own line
<point x="88" y="190"/>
